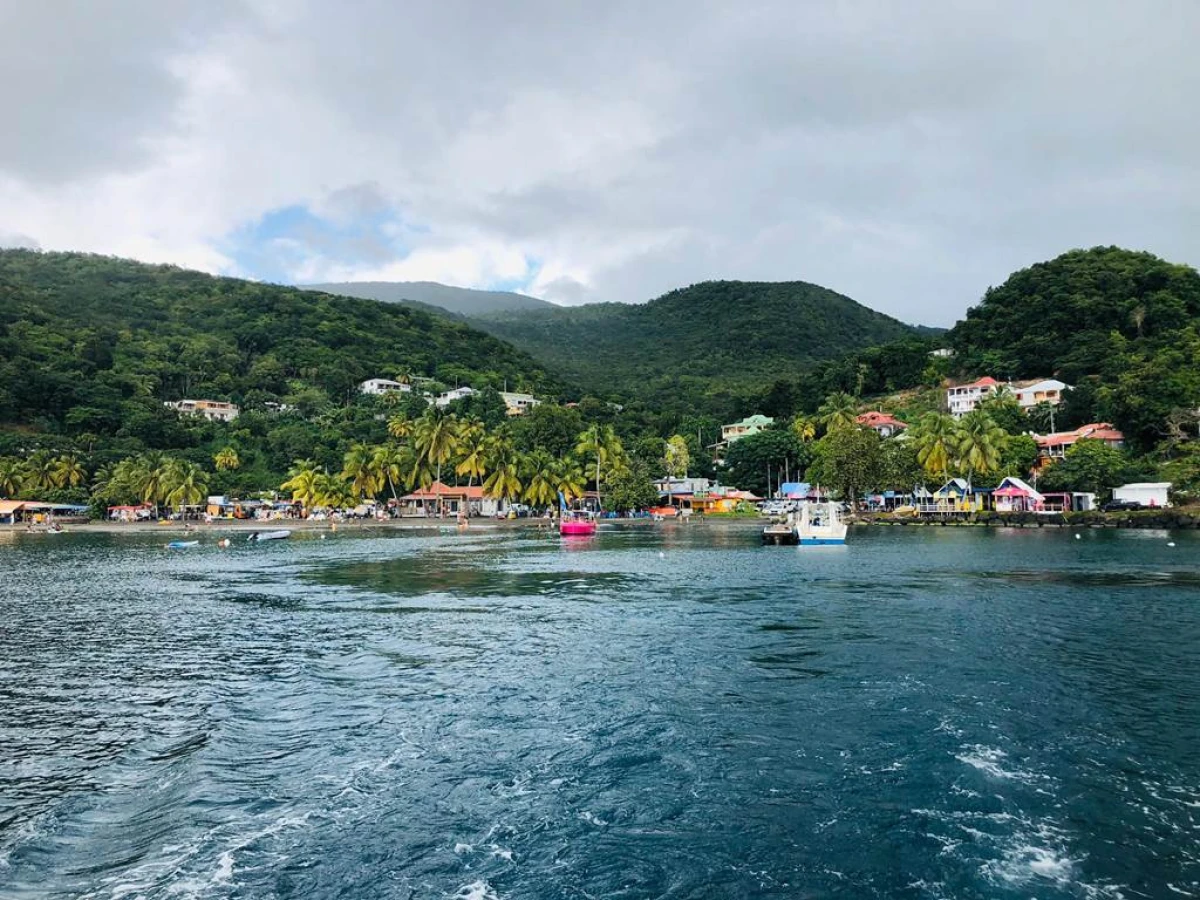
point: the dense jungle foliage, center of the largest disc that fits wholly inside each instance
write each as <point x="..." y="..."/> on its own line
<point x="707" y="347"/>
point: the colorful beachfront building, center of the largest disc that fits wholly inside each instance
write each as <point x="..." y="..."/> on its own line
<point x="885" y="424"/>
<point x="469" y="499"/>
<point x="699" y="495"/>
<point x="1053" y="447"/>
<point x="1014" y="495"/>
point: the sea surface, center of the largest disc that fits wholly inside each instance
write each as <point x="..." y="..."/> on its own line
<point x="659" y="711"/>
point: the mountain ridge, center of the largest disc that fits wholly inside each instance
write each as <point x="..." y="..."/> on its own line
<point x="457" y="300"/>
<point x="689" y="342"/>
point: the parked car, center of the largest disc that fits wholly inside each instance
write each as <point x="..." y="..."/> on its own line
<point x="1120" y="505"/>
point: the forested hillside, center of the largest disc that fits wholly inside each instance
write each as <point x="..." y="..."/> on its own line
<point x="91" y="346"/>
<point x="693" y="347"/>
<point x="457" y="300"/>
<point x="1123" y="326"/>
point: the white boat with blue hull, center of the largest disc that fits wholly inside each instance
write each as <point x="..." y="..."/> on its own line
<point x="811" y="524"/>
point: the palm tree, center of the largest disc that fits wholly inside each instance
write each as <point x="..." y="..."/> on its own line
<point x="358" y="468"/>
<point x="227" y="459"/>
<point x="187" y="483"/>
<point x="302" y="482"/>
<point x="40" y="471"/>
<point x="568" y="477"/>
<point x="389" y="461"/>
<point x="68" y="471"/>
<point x="540" y="474"/>
<point x="979" y="443"/>
<point x="503" y="481"/>
<point x="601" y="442"/>
<point x="400" y="426"/>
<point x="151" y="473"/>
<point x="331" y="490"/>
<point x="437" y="439"/>
<point x="474" y="446"/>
<point x="935" y="441"/>
<point x="12" y="476"/>
<point x="839" y="410"/>
<point x="804" y="428"/>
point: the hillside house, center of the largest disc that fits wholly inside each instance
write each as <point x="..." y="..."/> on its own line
<point x="215" y="410"/>
<point x="518" y="404"/>
<point x="748" y="426"/>
<point x="380" y="386"/>
<point x="1053" y="447"/>
<point x="1048" y="390"/>
<point x="885" y="424"/>
<point x="964" y="398"/>
<point x="445" y="399"/>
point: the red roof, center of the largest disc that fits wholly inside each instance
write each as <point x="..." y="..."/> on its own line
<point x="1096" y="431"/>
<point x="880" y="419"/>
<point x="985" y="381"/>
<point x="446" y="492"/>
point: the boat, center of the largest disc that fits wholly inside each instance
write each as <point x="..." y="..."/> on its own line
<point x="576" y="525"/>
<point x="270" y="535"/>
<point x="182" y="545"/>
<point x="813" y="523"/>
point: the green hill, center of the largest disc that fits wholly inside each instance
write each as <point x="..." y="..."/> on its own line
<point x="1070" y="314"/>
<point x="692" y="343"/>
<point x="92" y="345"/>
<point x="461" y="301"/>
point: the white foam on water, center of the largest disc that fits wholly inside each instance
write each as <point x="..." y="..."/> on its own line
<point x="476" y="890"/>
<point x="592" y="819"/>
<point x="499" y="852"/>
<point x="461" y="848"/>
<point x="990" y="761"/>
<point x="224" y="873"/>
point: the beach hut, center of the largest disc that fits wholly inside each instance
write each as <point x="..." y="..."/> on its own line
<point x="1014" y="495"/>
<point x="957" y="495"/>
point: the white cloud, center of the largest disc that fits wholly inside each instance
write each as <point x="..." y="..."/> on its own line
<point x="905" y="155"/>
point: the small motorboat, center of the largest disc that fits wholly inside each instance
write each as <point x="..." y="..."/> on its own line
<point x="279" y="535"/>
<point x="814" y="523"/>
<point x="182" y="545"/>
<point x="576" y="527"/>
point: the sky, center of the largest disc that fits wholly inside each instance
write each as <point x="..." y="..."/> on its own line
<point x="908" y="155"/>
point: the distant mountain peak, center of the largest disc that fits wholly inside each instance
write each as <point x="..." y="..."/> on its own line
<point x="462" y="301"/>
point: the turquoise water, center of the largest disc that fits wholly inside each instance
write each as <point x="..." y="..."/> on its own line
<point x="660" y="711"/>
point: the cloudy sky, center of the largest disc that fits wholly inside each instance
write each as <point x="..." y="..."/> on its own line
<point x="906" y="154"/>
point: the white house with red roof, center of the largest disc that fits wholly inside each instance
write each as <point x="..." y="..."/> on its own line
<point x="885" y="424"/>
<point x="1052" y="447"/>
<point x="963" y="398"/>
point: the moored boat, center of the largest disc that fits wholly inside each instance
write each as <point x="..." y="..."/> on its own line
<point x="270" y="535"/>
<point x="813" y="523"/>
<point x="576" y="527"/>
